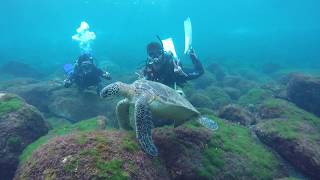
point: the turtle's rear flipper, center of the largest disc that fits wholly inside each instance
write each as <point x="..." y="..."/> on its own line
<point x="208" y="123"/>
<point x="143" y="120"/>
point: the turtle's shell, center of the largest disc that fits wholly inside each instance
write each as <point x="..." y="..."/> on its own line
<point x="166" y="102"/>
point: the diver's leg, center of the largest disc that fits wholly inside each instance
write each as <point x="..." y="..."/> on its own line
<point x="122" y="112"/>
<point x="143" y="120"/>
<point x="99" y="87"/>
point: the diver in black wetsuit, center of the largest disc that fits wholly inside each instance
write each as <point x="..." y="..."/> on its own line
<point x="164" y="68"/>
<point x="86" y="74"/>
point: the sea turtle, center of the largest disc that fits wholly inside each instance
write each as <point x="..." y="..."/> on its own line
<point x="146" y="99"/>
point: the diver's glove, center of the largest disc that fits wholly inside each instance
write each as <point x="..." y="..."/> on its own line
<point x="193" y="54"/>
<point x="67" y="83"/>
<point x="178" y="69"/>
<point x="106" y="75"/>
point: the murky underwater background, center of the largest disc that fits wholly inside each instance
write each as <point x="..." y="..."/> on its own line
<point x="244" y="32"/>
<point x="261" y="85"/>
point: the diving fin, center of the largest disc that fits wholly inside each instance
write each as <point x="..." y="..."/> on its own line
<point x="187" y="35"/>
<point x="68" y="68"/>
<point x="168" y="46"/>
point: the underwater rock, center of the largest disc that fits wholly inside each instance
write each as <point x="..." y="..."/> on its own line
<point x="204" y="81"/>
<point x="180" y="149"/>
<point x="294" y="134"/>
<point x="20" y="69"/>
<point x="238" y="83"/>
<point x="93" y="155"/>
<point x="233" y="93"/>
<point x="186" y="152"/>
<point x="200" y="101"/>
<point x="217" y="71"/>
<point x="237" y="114"/>
<point x="218" y="97"/>
<point x="277" y="90"/>
<point x="34" y="92"/>
<point x="254" y="97"/>
<point x="52" y="98"/>
<point x="20" y="125"/>
<point x="304" y="91"/>
<point x="269" y="109"/>
<point x="74" y="106"/>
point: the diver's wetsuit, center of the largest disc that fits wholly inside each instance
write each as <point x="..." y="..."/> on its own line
<point x="166" y="74"/>
<point x="85" y="74"/>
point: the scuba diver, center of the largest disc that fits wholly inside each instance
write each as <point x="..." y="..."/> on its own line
<point x="86" y="74"/>
<point x="162" y="67"/>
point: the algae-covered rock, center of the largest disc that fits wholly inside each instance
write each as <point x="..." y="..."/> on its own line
<point x="94" y="155"/>
<point x="218" y="97"/>
<point x="239" y="83"/>
<point x="52" y="98"/>
<point x="254" y="97"/>
<point x="200" y="100"/>
<point x="237" y="114"/>
<point x="20" y="125"/>
<point x="204" y="81"/>
<point x="61" y="128"/>
<point x="186" y="152"/>
<point x="73" y="106"/>
<point x="271" y="108"/>
<point x="180" y="150"/>
<point x="304" y="91"/>
<point x="233" y="153"/>
<point x="34" y="92"/>
<point x="233" y="93"/>
<point x="294" y="134"/>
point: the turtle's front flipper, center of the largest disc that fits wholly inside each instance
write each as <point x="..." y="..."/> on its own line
<point x="143" y="120"/>
<point x="122" y="112"/>
<point x="208" y="123"/>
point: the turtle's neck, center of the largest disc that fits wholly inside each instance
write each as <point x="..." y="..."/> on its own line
<point x="125" y="90"/>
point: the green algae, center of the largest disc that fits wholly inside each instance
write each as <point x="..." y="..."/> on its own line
<point x="10" y="104"/>
<point x="292" y="122"/>
<point x="129" y="144"/>
<point x="254" y="96"/>
<point x="112" y="169"/>
<point x="237" y="141"/>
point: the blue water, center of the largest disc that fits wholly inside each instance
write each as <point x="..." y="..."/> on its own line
<point x="246" y="31"/>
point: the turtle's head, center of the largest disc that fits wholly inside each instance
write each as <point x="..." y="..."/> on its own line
<point x="115" y="89"/>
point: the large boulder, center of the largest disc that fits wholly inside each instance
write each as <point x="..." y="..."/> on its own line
<point x="52" y="98"/>
<point x="186" y="152"/>
<point x="74" y="106"/>
<point x="218" y="97"/>
<point x="20" y="125"/>
<point x="293" y="133"/>
<point x="237" y="114"/>
<point x="35" y="92"/>
<point x="304" y="91"/>
<point x="254" y="97"/>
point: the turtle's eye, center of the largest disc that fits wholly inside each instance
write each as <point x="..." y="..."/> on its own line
<point x="110" y="91"/>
